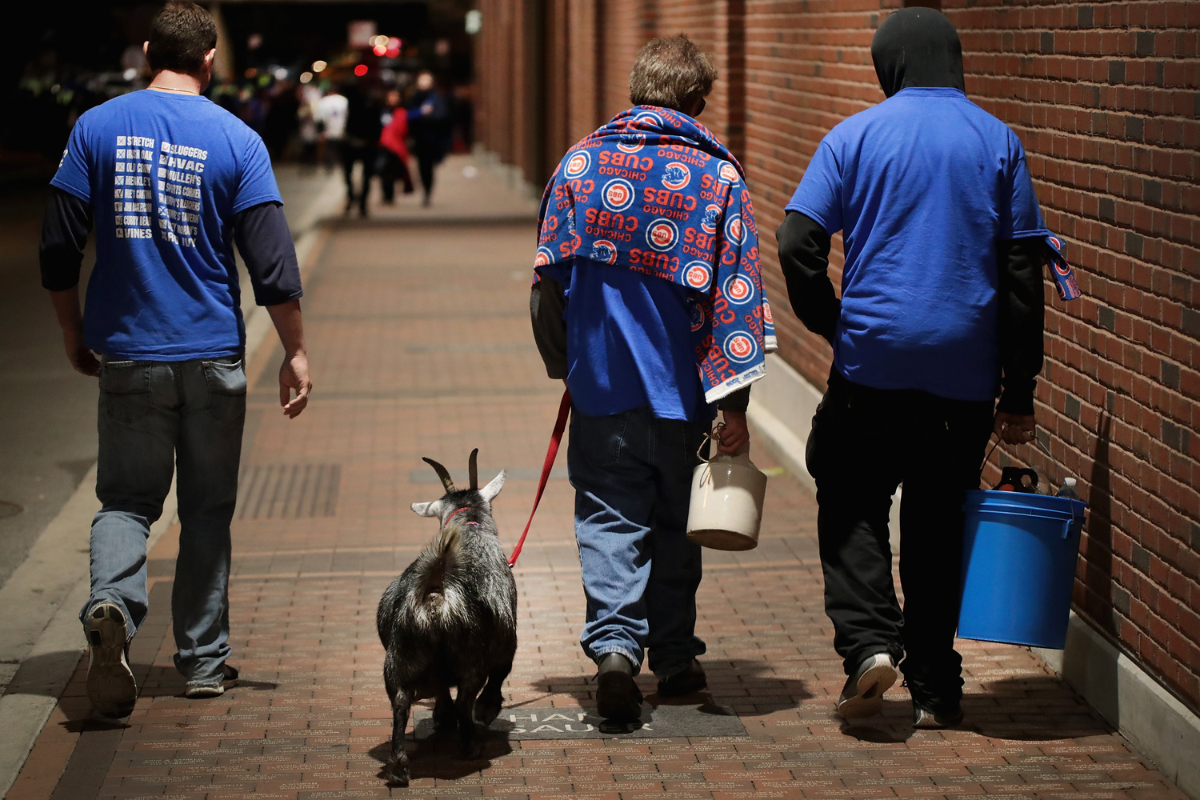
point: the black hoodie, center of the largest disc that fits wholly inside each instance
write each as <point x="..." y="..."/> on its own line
<point x="919" y="47"/>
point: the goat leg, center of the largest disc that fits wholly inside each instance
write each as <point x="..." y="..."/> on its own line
<point x="396" y="770"/>
<point x="468" y="690"/>
<point x="490" y="701"/>
<point x="445" y="718"/>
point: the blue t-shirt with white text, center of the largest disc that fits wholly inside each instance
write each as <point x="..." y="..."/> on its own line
<point x="924" y="187"/>
<point x="165" y="174"/>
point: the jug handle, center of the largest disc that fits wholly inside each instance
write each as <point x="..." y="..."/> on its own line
<point x="712" y="436"/>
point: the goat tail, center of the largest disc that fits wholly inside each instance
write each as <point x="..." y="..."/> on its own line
<point x="445" y="551"/>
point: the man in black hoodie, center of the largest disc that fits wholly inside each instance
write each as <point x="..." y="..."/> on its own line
<point x="940" y="311"/>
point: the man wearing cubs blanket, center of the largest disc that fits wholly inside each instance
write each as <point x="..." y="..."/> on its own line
<point x="648" y="302"/>
<point x="940" y="311"/>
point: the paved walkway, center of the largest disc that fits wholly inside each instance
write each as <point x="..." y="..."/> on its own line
<point x="420" y="346"/>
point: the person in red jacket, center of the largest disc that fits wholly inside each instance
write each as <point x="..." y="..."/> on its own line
<point x="393" y="151"/>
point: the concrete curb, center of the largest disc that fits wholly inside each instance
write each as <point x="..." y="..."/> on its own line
<point x="1151" y="718"/>
<point x="1145" y="713"/>
<point x="50" y="638"/>
<point x="52" y="584"/>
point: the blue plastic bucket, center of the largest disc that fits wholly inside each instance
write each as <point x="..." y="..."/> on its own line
<point x="1019" y="553"/>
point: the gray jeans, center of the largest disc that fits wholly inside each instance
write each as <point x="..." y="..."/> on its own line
<point x="153" y="416"/>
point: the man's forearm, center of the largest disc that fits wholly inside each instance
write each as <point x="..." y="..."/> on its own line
<point x="804" y="257"/>
<point x="289" y="325"/>
<point x="68" y="310"/>
<point x="546" y="304"/>
<point x="1020" y="321"/>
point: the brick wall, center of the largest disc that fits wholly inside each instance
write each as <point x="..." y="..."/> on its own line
<point x="1106" y="99"/>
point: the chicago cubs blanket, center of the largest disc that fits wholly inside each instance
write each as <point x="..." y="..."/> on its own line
<point x="653" y="191"/>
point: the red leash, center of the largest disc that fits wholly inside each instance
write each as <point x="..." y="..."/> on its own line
<point x="560" y="425"/>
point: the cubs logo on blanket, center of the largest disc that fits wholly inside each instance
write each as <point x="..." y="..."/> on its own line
<point x="653" y="191"/>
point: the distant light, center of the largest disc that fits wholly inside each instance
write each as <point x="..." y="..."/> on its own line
<point x="319" y="66"/>
<point x="251" y="73"/>
<point x="129" y="74"/>
<point x="360" y="70"/>
<point x="474" y="21"/>
<point x="380" y="50"/>
<point x="281" y="74"/>
<point x="306" y="77"/>
<point x="254" y="42"/>
<point x="379" y="41"/>
<point x="442" y="47"/>
<point x="394" y="43"/>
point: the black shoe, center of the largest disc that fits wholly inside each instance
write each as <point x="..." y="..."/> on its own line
<point x="862" y="696"/>
<point x="928" y="716"/>
<point x="692" y="679"/>
<point x="110" y="684"/>
<point x="618" y="698"/>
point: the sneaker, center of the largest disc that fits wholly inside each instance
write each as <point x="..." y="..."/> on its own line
<point x="110" y="684"/>
<point x="212" y="688"/>
<point x="926" y="716"/>
<point x="862" y="696"/>
<point x="688" y="681"/>
<point x="618" y="698"/>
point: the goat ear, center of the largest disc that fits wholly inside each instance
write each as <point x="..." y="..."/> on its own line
<point x="430" y="509"/>
<point x="493" y="488"/>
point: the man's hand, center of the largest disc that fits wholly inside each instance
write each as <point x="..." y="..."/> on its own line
<point x="735" y="436"/>
<point x="1015" y="428"/>
<point x="293" y="376"/>
<point x="70" y="319"/>
<point x="82" y="359"/>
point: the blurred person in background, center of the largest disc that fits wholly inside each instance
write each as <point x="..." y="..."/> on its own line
<point x="281" y="117"/>
<point x="331" y="124"/>
<point x="164" y="316"/>
<point x="393" y="150"/>
<point x="307" y="121"/>
<point x="361" y="142"/>
<point x="428" y="120"/>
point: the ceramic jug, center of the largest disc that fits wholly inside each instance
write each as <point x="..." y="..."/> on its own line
<point x="727" y="502"/>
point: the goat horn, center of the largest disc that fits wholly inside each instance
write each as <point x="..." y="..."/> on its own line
<point x="474" y="468"/>
<point x="442" y="473"/>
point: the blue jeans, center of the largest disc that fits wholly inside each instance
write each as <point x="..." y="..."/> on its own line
<point x="153" y="416"/>
<point x="632" y="475"/>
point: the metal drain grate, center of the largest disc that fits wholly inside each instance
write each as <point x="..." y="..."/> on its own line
<point x="288" y="491"/>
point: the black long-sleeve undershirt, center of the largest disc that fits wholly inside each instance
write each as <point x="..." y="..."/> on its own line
<point x="261" y="233"/>
<point x="804" y="255"/>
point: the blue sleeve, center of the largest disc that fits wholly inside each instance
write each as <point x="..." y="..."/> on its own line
<point x="819" y="195"/>
<point x="74" y="174"/>
<point x="256" y="184"/>
<point x="1025" y="217"/>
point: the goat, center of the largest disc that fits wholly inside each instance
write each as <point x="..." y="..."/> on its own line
<point x="450" y="620"/>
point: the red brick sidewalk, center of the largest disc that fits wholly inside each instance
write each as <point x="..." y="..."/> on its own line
<point x="420" y="345"/>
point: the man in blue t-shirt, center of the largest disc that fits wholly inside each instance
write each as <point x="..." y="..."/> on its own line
<point x="941" y="308"/>
<point x="169" y="181"/>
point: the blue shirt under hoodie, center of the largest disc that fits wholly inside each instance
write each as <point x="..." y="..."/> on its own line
<point x="923" y="186"/>
<point x="624" y="350"/>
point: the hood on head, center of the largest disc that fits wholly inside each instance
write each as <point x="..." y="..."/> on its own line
<point x="917" y="47"/>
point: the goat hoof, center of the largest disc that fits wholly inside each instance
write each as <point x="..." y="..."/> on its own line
<point x="486" y="710"/>
<point x="396" y="774"/>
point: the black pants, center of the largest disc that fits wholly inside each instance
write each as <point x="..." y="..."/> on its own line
<point x="427" y="159"/>
<point x="357" y="150"/>
<point x="391" y="168"/>
<point x="864" y="443"/>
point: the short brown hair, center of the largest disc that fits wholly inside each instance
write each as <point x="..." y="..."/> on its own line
<point x="671" y="72"/>
<point x="180" y="35"/>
